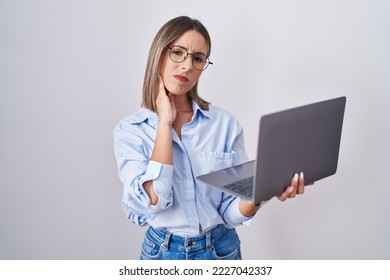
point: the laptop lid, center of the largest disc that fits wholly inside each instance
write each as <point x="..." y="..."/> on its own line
<point x="303" y="139"/>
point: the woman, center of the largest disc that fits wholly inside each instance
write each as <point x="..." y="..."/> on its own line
<point x="174" y="137"/>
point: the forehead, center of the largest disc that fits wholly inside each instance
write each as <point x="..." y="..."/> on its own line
<point x="193" y="41"/>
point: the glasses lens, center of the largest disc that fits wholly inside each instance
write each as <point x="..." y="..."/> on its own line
<point x="178" y="54"/>
<point x="199" y="61"/>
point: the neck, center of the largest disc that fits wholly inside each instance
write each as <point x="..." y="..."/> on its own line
<point x="183" y="103"/>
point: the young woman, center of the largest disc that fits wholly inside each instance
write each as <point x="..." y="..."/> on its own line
<point x="174" y="137"/>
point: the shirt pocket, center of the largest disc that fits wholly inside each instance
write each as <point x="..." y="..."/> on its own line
<point x="207" y="162"/>
<point x="213" y="161"/>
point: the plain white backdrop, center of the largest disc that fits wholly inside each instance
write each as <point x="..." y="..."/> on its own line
<point x="70" y="70"/>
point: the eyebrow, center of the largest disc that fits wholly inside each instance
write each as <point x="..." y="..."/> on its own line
<point x="187" y="50"/>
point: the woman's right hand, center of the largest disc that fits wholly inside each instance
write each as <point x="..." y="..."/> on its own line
<point x="162" y="150"/>
<point x="165" y="102"/>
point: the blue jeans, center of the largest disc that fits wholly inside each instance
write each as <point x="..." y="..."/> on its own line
<point x="220" y="243"/>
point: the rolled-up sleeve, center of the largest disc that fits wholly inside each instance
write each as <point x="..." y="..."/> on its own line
<point x="161" y="175"/>
<point x="132" y="152"/>
<point x="231" y="214"/>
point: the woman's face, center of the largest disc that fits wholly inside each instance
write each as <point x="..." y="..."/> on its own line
<point x="179" y="78"/>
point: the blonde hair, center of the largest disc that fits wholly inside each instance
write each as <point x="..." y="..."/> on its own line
<point x="168" y="33"/>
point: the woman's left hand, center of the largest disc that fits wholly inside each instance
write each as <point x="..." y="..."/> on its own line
<point x="297" y="187"/>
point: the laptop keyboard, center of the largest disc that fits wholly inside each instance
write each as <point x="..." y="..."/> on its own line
<point x="244" y="186"/>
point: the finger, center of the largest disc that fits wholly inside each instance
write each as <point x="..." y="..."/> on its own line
<point x="161" y="98"/>
<point x="294" y="184"/>
<point x="301" y="184"/>
<point x="171" y="98"/>
<point x="161" y="86"/>
<point x="286" y="194"/>
<point x="282" y="197"/>
<point x="290" y="192"/>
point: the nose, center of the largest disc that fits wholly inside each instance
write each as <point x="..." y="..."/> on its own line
<point x="187" y="63"/>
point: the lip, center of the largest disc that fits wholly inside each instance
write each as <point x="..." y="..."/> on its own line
<point x="181" y="78"/>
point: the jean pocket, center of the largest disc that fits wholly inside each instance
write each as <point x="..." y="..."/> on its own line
<point x="150" y="249"/>
<point x="228" y="247"/>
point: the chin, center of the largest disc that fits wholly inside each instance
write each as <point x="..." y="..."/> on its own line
<point x="178" y="91"/>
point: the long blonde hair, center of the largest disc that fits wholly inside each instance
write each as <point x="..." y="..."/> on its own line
<point x="168" y="33"/>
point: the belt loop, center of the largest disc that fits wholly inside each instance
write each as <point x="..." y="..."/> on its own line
<point x="166" y="241"/>
<point x="209" y="245"/>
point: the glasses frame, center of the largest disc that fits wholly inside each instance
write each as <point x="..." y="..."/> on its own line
<point x="207" y="62"/>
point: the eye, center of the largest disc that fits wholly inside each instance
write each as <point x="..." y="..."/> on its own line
<point x="177" y="52"/>
<point x="199" y="58"/>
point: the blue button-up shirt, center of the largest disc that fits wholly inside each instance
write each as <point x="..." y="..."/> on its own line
<point x="212" y="140"/>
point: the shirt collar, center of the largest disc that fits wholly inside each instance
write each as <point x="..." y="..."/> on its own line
<point x="143" y="115"/>
<point x="197" y="110"/>
<point x="151" y="117"/>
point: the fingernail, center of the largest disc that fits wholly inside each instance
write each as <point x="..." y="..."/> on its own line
<point x="301" y="174"/>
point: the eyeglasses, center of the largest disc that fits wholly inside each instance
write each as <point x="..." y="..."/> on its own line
<point x="179" y="54"/>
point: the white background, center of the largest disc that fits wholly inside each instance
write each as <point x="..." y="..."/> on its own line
<point x="70" y="70"/>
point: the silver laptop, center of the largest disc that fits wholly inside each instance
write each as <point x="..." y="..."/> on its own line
<point x="303" y="139"/>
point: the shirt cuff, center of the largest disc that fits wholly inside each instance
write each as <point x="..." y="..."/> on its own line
<point x="161" y="175"/>
<point x="236" y="218"/>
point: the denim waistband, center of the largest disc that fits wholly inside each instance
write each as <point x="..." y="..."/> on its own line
<point x="167" y="239"/>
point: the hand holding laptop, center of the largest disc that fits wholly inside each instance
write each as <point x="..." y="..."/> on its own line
<point x="248" y="208"/>
<point x="297" y="187"/>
